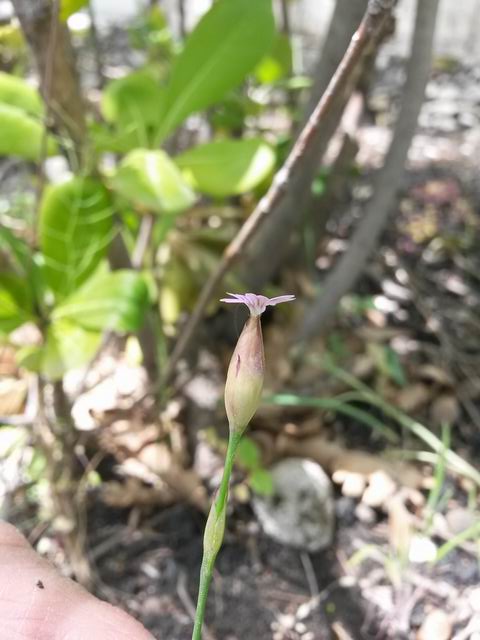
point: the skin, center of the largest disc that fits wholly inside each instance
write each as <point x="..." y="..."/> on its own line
<point x="36" y="603"/>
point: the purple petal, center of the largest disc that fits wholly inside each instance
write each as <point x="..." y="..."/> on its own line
<point x="256" y="303"/>
<point x="280" y="299"/>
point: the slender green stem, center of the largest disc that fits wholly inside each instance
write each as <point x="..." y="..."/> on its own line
<point x="222" y="495"/>
<point x="209" y="557"/>
<point x="206" y="573"/>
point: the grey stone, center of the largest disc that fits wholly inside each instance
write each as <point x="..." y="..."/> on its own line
<point x="300" y="513"/>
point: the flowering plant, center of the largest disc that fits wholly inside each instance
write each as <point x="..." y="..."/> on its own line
<point x="243" y="389"/>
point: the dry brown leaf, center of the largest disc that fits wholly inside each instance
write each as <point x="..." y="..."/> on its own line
<point x="133" y="492"/>
<point x="8" y="362"/>
<point x="340" y="632"/>
<point x="399" y="527"/>
<point x="435" y="374"/>
<point x="333" y="457"/>
<point x="445" y="410"/>
<point x="412" y="398"/>
<point x="363" y="366"/>
<point x="13" y="393"/>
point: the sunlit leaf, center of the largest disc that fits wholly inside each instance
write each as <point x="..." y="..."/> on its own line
<point x="69" y="7"/>
<point x="227" y="43"/>
<point x="21" y="135"/>
<point x="151" y="181"/>
<point x="15" y="302"/>
<point x="67" y="346"/>
<point x="277" y="64"/>
<point x="248" y="453"/>
<point x="16" y="92"/>
<point x="76" y="227"/>
<point x="134" y="103"/>
<point x="261" y="482"/>
<point x="116" y="301"/>
<point x="227" y="167"/>
<point x="23" y="262"/>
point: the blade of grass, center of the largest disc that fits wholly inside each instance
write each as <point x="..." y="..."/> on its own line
<point x="439" y="477"/>
<point x="331" y="404"/>
<point x="460" y="538"/>
<point x="455" y="461"/>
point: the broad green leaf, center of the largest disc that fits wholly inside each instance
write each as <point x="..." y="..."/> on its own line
<point x="69" y="7"/>
<point x="15" y="302"/>
<point x="261" y="482"/>
<point x="21" y="259"/>
<point x="227" y="43"/>
<point x="277" y="64"/>
<point x="248" y="453"/>
<point x="17" y="93"/>
<point x="67" y="346"/>
<point x="17" y="250"/>
<point x="227" y="167"/>
<point x="21" y="135"/>
<point x="76" y="227"/>
<point x="134" y="104"/>
<point x="116" y="301"/>
<point x="151" y="181"/>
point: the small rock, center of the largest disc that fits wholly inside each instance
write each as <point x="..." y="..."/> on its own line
<point x="365" y="513"/>
<point x="421" y="550"/>
<point x="436" y="626"/>
<point x="381" y="488"/>
<point x="354" y="485"/>
<point x="474" y="599"/>
<point x="459" y="519"/>
<point x="300" y="512"/>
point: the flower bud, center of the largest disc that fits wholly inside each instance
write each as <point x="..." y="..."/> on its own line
<point x="245" y="375"/>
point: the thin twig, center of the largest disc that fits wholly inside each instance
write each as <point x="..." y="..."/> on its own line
<point x="182" y="19"/>
<point x="52" y="43"/>
<point x="348" y="269"/>
<point x="143" y="241"/>
<point x="96" y="46"/>
<point x="366" y="32"/>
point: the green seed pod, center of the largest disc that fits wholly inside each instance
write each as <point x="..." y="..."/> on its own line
<point x="245" y="375"/>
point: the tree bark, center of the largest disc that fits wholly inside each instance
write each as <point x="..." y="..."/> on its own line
<point x="50" y="42"/>
<point x="364" y="240"/>
<point x="274" y="239"/>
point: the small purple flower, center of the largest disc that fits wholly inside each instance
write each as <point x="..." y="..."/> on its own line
<point x="256" y="304"/>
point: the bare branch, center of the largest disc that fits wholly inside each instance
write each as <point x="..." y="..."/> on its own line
<point x="352" y="263"/>
<point x="59" y="84"/>
<point x="359" y="44"/>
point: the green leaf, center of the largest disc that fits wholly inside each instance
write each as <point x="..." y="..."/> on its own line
<point x="76" y="227"/>
<point x="17" y="250"/>
<point x="15" y="302"/>
<point x="248" y="453"/>
<point x="21" y="135"/>
<point x="151" y="181"/>
<point x="18" y="93"/>
<point x="227" y="167"/>
<point x="277" y="64"/>
<point x="134" y="103"/>
<point x="116" y="301"/>
<point x="67" y="346"/>
<point x="261" y="482"/>
<point x="227" y="43"/>
<point x="22" y="261"/>
<point x="69" y="7"/>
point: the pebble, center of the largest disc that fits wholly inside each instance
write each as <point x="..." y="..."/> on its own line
<point x="436" y="626"/>
<point x="301" y="510"/>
